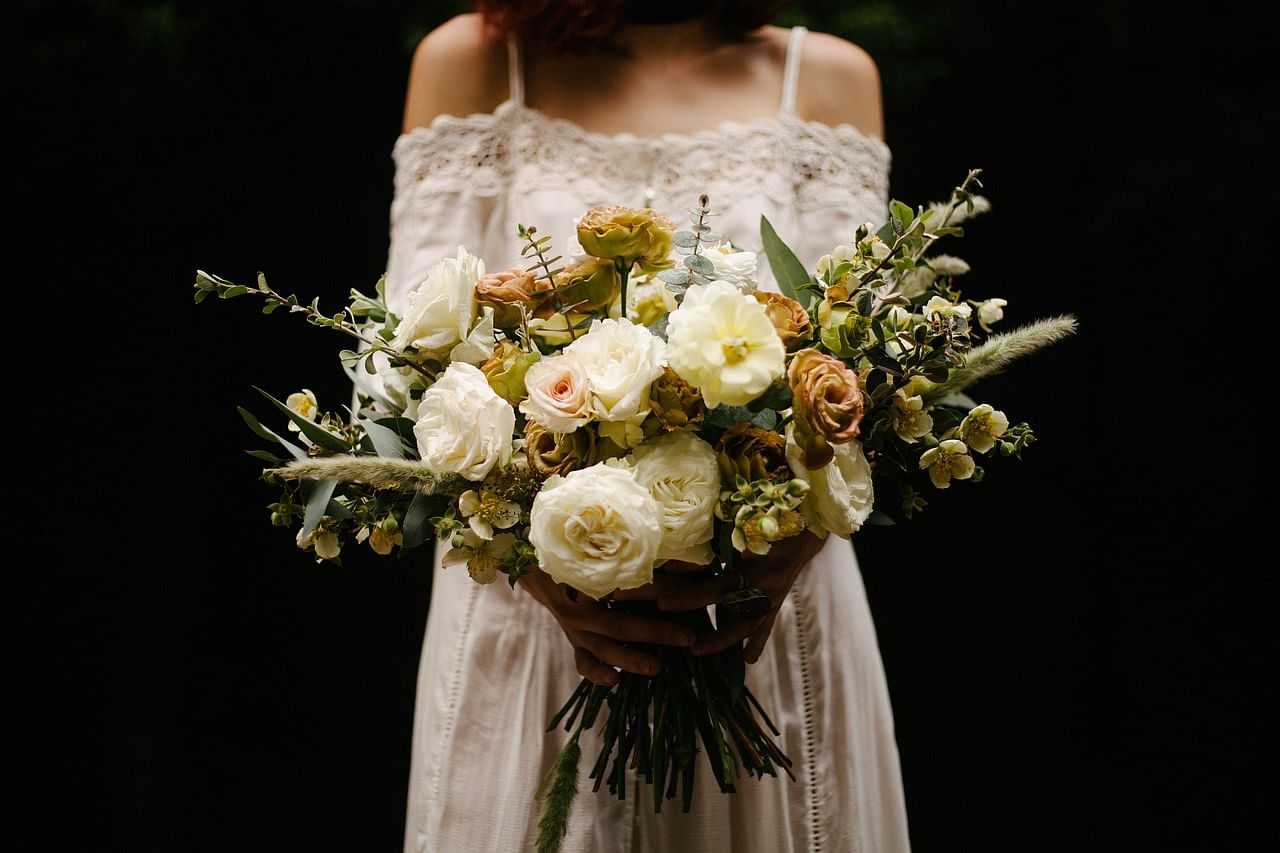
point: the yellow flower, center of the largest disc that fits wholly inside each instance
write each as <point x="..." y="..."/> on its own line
<point x="949" y="459"/>
<point x="640" y="236"/>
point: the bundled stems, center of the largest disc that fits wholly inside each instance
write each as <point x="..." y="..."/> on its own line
<point x="657" y="725"/>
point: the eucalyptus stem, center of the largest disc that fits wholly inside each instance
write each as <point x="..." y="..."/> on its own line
<point x="227" y="290"/>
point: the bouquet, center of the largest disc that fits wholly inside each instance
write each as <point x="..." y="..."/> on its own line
<point x="637" y="400"/>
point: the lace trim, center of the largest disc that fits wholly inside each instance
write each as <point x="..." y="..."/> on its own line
<point x="518" y="148"/>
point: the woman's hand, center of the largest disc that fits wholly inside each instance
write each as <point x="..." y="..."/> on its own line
<point x="774" y="573"/>
<point x="600" y="636"/>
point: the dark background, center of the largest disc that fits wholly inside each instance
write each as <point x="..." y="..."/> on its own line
<point x="1072" y="656"/>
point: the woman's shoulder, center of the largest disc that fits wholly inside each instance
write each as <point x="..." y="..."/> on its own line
<point x="839" y="81"/>
<point x="459" y="68"/>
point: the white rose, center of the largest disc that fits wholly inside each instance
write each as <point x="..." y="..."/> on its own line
<point x="841" y="495"/>
<point x="679" y="470"/>
<point x="596" y="530"/>
<point x="442" y="307"/>
<point x="621" y="360"/>
<point x="559" y="393"/>
<point x="463" y="426"/>
<point x="723" y="342"/>
<point x="734" y="266"/>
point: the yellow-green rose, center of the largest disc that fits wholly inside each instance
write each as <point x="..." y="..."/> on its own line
<point x="636" y="235"/>
<point x="558" y="452"/>
<point x="591" y="285"/>
<point x="505" y="371"/>
<point x="675" y="403"/>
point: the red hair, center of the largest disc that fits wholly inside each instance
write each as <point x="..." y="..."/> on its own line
<point x="553" y="23"/>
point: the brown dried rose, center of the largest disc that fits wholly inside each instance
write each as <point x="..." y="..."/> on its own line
<point x="788" y="317"/>
<point x="509" y="289"/>
<point x="675" y="403"/>
<point x="752" y="452"/>
<point x="558" y="452"/>
<point x="591" y="285"/>
<point x="827" y="402"/>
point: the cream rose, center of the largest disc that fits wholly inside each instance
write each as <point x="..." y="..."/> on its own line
<point x="841" y="495"/>
<point x="559" y="394"/>
<point x="620" y="360"/>
<point x="722" y="341"/>
<point x="734" y="266"/>
<point x="597" y="530"/>
<point x="680" y="471"/>
<point x="463" y="426"/>
<point x="442" y="307"/>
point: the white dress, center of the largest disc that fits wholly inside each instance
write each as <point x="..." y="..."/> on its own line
<point x="495" y="666"/>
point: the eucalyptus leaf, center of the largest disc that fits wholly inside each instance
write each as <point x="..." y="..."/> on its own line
<point x="318" y="495"/>
<point x="700" y="264"/>
<point x="385" y="441"/>
<point x="789" y="273"/>
<point x="310" y="429"/>
<point x="685" y="239"/>
<point x="677" y="277"/>
<point x="262" y="432"/>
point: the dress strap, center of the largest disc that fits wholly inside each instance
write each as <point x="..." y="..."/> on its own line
<point x="791" y="72"/>
<point x="515" y="70"/>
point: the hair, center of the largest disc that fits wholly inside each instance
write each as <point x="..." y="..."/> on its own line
<point x="554" y="23"/>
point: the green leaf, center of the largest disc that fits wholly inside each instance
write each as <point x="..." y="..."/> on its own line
<point x="415" y="526"/>
<point x="369" y="366"/>
<point x="880" y="519"/>
<point x="319" y="493"/>
<point x="310" y="429"/>
<point x="201" y="295"/>
<point x="271" y="307"/>
<point x="234" y="291"/>
<point x="787" y="269"/>
<point x="262" y="432"/>
<point x="385" y="441"/>
<point x="902" y="215"/>
<point x="266" y="456"/>
<point x="262" y="282"/>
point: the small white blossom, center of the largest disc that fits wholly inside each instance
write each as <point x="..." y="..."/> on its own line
<point x="482" y="557"/>
<point x="484" y="511"/>
<point x="908" y="418"/>
<point x="943" y="307"/>
<point x="948" y="460"/>
<point x="303" y="403"/>
<point x="991" y="312"/>
<point x="982" y="426"/>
